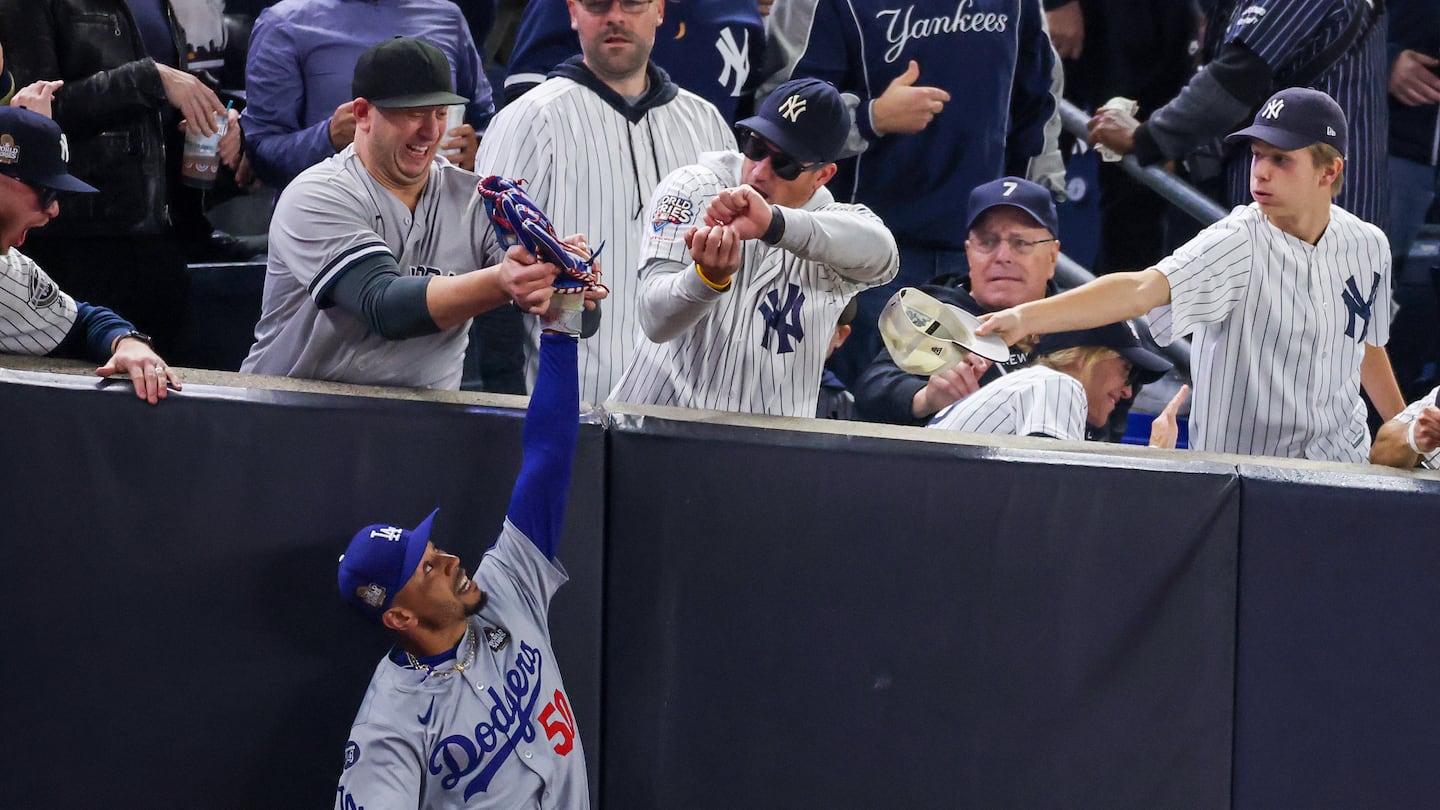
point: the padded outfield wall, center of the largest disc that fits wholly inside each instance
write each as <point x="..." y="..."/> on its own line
<point x="761" y="613"/>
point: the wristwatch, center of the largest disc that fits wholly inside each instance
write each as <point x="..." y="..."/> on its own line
<point x="133" y="333"/>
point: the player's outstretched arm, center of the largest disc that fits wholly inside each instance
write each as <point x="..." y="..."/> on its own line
<point x="537" y="505"/>
<point x="1378" y="380"/>
<point x="519" y="277"/>
<point x="1116" y="297"/>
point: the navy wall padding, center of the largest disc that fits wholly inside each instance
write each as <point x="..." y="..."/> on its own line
<point x="801" y="620"/>
<point x="1338" y="668"/>
<point x="175" y="637"/>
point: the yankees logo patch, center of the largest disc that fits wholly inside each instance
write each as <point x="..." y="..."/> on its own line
<point x="43" y="291"/>
<point x="352" y="754"/>
<point x="1359" y="307"/>
<point x="673" y="210"/>
<point x="782" y="318"/>
<point x="1273" y="108"/>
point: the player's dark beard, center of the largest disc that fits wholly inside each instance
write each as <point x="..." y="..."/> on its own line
<point x="480" y="603"/>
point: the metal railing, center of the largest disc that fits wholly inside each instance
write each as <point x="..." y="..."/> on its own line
<point x="1070" y="273"/>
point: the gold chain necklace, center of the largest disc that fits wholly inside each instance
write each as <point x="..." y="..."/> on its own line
<point x="458" y="667"/>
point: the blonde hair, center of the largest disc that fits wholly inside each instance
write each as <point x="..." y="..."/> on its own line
<point x="1076" y="359"/>
<point x="1323" y="154"/>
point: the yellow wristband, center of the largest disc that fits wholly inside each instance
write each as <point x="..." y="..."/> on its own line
<point x="700" y="271"/>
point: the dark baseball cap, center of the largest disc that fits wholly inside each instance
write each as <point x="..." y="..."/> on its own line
<point x="380" y="559"/>
<point x="1032" y="198"/>
<point x="1296" y="117"/>
<point x="1121" y="337"/>
<point x="404" y="72"/>
<point x="806" y="118"/>
<point x="33" y="150"/>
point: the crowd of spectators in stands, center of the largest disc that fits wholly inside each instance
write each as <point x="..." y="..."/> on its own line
<point x="597" y="105"/>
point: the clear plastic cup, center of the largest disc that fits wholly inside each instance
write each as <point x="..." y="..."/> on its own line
<point x="454" y="117"/>
<point x="200" y="161"/>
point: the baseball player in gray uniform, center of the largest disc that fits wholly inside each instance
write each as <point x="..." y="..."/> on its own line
<point x="469" y="710"/>
<point x="592" y="142"/>
<point x="748" y="263"/>
<point x="1412" y="437"/>
<point x="1288" y="299"/>
<point x="36" y="316"/>
<point x="1075" y="383"/>
<point x="372" y="276"/>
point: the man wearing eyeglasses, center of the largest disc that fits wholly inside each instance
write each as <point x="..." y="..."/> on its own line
<point x="748" y="262"/>
<point x="592" y="142"/>
<point x="36" y="317"/>
<point x="1011" y="247"/>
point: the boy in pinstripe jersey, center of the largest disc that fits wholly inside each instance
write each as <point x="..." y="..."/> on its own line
<point x="1288" y="298"/>
<point x="749" y="261"/>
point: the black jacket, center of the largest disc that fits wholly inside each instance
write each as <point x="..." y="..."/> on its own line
<point x="112" y="108"/>
<point x="1414" y="131"/>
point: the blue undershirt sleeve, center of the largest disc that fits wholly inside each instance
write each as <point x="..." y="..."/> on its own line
<point x="537" y="505"/>
<point x="97" y="327"/>
<point x="391" y="305"/>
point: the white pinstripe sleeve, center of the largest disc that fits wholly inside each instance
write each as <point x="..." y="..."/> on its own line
<point x="1055" y="406"/>
<point x="673" y="298"/>
<point x="849" y="239"/>
<point x="35" y="315"/>
<point x="1034" y="400"/>
<point x="1208" y="276"/>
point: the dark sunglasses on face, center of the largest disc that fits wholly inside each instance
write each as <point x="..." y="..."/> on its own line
<point x="47" y="196"/>
<point x="785" y="167"/>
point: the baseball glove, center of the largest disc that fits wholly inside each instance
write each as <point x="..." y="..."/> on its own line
<point x="519" y="221"/>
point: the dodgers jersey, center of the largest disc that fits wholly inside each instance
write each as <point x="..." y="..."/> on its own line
<point x="590" y="161"/>
<point x="759" y="346"/>
<point x="1280" y="327"/>
<point x="494" y="736"/>
<point x="35" y="315"/>
<point x="1430" y="460"/>
<point x="334" y="217"/>
<point x="1033" y="400"/>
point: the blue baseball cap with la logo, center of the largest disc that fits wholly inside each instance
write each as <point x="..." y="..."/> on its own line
<point x="1296" y="117"/>
<point x="806" y="118"/>
<point x="33" y="150"/>
<point x="380" y="559"/>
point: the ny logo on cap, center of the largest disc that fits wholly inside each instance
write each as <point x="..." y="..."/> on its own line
<point x="1273" y="108"/>
<point x="792" y="107"/>
<point x="391" y="533"/>
<point x="64" y="149"/>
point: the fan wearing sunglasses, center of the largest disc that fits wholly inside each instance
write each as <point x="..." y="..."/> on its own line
<point x="36" y="317"/>
<point x="748" y="262"/>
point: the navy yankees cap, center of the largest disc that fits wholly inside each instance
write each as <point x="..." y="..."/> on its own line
<point x="1296" y="117"/>
<point x="806" y="118"/>
<point x="1029" y="197"/>
<point x="33" y="150"/>
<point x="378" y="562"/>
<point x="1121" y="337"/>
<point x="404" y="72"/>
